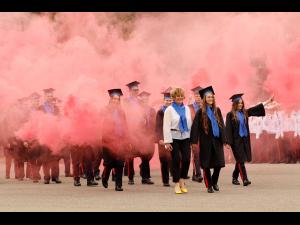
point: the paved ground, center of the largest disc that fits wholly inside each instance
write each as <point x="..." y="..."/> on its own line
<point x="274" y="188"/>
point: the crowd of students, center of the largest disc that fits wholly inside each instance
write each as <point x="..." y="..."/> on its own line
<point x="193" y="134"/>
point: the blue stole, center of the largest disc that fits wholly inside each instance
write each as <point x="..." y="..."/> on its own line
<point x="214" y="122"/>
<point x="180" y="109"/>
<point x="242" y="128"/>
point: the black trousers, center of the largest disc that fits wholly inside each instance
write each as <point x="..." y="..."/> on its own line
<point x="209" y="179"/>
<point x="181" y="158"/>
<point x="196" y="162"/>
<point x="97" y="163"/>
<point x="66" y="156"/>
<point x="240" y="169"/>
<point x="129" y="168"/>
<point x="144" y="166"/>
<point x="88" y="159"/>
<point x="82" y="156"/>
<point x="165" y="161"/>
<point x="51" y="168"/>
<point x="112" y="162"/>
<point x="76" y="155"/>
<point x="35" y="165"/>
<point x="20" y="168"/>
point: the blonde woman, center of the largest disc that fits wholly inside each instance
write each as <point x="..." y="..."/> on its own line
<point x="176" y="129"/>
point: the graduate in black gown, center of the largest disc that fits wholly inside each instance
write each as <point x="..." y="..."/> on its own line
<point x="115" y="139"/>
<point x="33" y="146"/>
<point x="164" y="155"/>
<point x="194" y="107"/>
<point x="132" y="105"/>
<point x="50" y="160"/>
<point x="146" y="133"/>
<point x="209" y="128"/>
<point x="238" y="134"/>
<point x="83" y="155"/>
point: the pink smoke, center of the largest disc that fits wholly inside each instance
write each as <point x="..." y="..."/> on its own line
<point x="82" y="55"/>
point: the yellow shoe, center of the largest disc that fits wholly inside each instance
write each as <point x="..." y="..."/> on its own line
<point x="184" y="190"/>
<point x="178" y="191"/>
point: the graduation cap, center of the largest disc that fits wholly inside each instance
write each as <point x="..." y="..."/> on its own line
<point x="167" y="92"/>
<point x="205" y="91"/>
<point x="115" y="92"/>
<point x="48" y="90"/>
<point x="196" y="89"/>
<point x="236" y="97"/>
<point x="35" y="95"/>
<point x="133" y="85"/>
<point x="144" y="94"/>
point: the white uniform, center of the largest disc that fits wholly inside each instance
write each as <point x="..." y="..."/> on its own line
<point x="278" y="124"/>
<point x="288" y="125"/>
<point x="256" y="126"/>
<point x="252" y="125"/>
<point x="268" y="124"/>
<point x="298" y="123"/>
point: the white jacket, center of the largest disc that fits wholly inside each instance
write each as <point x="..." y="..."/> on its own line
<point x="171" y="125"/>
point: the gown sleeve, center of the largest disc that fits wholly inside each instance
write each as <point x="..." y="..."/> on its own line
<point x="159" y="126"/>
<point x="195" y="131"/>
<point x="229" y="129"/>
<point x="258" y="110"/>
<point x="223" y="133"/>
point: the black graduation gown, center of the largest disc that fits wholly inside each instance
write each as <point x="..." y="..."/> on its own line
<point x="211" y="148"/>
<point x="114" y="146"/>
<point x="241" y="147"/>
<point x="159" y="125"/>
<point x="146" y="132"/>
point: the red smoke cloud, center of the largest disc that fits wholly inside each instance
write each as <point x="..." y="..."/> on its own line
<point x="82" y="55"/>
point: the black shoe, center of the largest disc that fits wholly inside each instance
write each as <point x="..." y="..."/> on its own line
<point x="47" y="182"/>
<point x="97" y="177"/>
<point x="7" y="177"/>
<point x="104" y="183"/>
<point x="210" y="190"/>
<point x="92" y="183"/>
<point x="187" y="178"/>
<point x="35" y="181"/>
<point x="246" y="182"/>
<point x="57" y="181"/>
<point x="235" y="181"/>
<point x="118" y="188"/>
<point x="131" y="182"/>
<point x="197" y="178"/>
<point x="147" y="181"/>
<point x="77" y="183"/>
<point x="216" y="187"/>
<point x="167" y="185"/>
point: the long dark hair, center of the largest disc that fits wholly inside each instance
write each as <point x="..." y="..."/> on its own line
<point x="234" y="110"/>
<point x="205" y="117"/>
